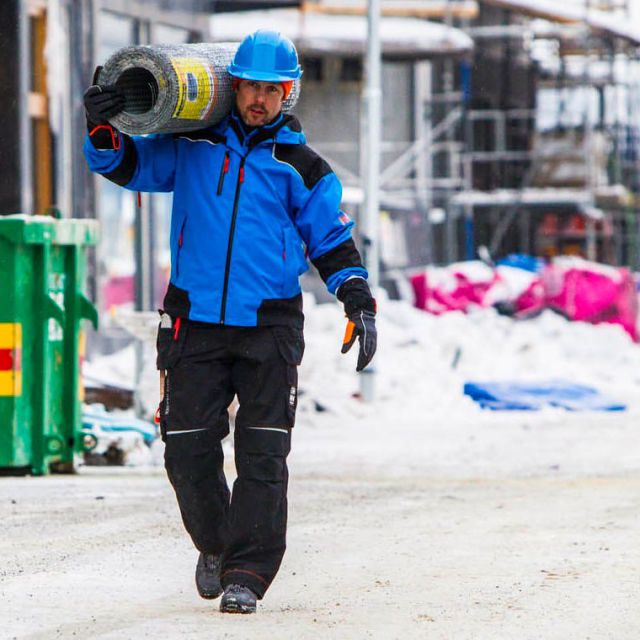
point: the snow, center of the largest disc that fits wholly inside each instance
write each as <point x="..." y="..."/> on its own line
<point x="426" y="359"/>
<point x="402" y="37"/>
<point x="114" y="370"/>
<point x="614" y="25"/>
<point x="416" y="516"/>
<point x="420" y="369"/>
<point x="423" y="360"/>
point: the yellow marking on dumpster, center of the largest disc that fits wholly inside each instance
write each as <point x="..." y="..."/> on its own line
<point x="10" y="335"/>
<point x="10" y="359"/>
<point x="10" y="383"/>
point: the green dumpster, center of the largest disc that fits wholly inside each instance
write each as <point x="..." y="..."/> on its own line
<point x="42" y="304"/>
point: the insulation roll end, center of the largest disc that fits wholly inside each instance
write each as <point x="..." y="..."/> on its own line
<point x="173" y="88"/>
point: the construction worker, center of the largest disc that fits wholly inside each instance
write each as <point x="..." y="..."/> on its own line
<point x="248" y="192"/>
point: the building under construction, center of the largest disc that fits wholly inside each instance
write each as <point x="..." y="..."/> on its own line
<point x="526" y="142"/>
<point x="510" y="124"/>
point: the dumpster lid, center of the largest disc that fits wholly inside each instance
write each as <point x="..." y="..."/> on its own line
<point x="21" y="228"/>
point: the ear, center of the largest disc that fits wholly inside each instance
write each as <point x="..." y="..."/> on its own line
<point x="235" y="83"/>
<point x="286" y="86"/>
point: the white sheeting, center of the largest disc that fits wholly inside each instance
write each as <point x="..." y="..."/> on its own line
<point x="568" y="12"/>
<point x="317" y="33"/>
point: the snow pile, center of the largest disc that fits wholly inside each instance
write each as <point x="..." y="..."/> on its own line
<point x="420" y="410"/>
<point x="421" y="422"/>
<point x="428" y="358"/>
<point x="425" y="359"/>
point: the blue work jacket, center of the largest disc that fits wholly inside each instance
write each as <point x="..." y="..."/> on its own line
<point x="248" y="208"/>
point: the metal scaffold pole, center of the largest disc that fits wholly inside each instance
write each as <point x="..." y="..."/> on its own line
<point x="24" y="123"/>
<point x="373" y="104"/>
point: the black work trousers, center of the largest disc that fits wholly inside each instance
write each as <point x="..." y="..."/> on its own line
<point x="206" y="366"/>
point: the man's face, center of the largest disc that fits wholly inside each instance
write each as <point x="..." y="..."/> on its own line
<point x="258" y="102"/>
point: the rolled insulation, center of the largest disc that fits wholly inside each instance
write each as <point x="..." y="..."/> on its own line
<point x="172" y="88"/>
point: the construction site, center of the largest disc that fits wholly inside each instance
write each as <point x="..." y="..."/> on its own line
<point x="508" y="125"/>
<point x="480" y="478"/>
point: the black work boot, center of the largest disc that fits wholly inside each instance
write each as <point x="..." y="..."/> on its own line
<point x="208" y="576"/>
<point x="238" y="599"/>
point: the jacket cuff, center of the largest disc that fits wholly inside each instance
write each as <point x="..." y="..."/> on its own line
<point x="341" y="257"/>
<point x="104" y="136"/>
<point x="356" y="296"/>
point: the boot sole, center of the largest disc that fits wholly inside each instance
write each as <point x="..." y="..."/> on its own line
<point x="210" y="595"/>
<point x="234" y="607"/>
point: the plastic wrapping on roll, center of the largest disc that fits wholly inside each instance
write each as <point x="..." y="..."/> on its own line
<point x="173" y="88"/>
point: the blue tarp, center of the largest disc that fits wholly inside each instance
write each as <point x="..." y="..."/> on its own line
<point x="522" y="261"/>
<point x="533" y="396"/>
<point x="96" y="417"/>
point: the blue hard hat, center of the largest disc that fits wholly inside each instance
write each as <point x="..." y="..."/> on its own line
<point x="266" y="56"/>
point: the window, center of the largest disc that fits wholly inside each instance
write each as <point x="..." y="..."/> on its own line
<point x="351" y="70"/>
<point x="313" y="69"/>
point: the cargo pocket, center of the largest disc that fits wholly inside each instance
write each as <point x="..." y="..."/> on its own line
<point x="291" y="347"/>
<point x="170" y="344"/>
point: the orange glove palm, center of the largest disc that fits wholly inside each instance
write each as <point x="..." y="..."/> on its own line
<point x="361" y="325"/>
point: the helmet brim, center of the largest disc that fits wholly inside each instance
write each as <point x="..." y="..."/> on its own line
<point x="264" y="76"/>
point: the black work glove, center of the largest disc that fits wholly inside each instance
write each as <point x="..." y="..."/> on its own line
<point x="102" y="102"/>
<point x="360" y="309"/>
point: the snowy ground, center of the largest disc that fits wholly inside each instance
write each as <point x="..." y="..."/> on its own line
<point x="418" y="516"/>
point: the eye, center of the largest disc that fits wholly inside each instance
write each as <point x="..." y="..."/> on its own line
<point x="272" y="88"/>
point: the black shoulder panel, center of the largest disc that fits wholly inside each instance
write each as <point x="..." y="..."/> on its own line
<point x="123" y="173"/>
<point x="304" y="160"/>
<point x="292" y="122"/>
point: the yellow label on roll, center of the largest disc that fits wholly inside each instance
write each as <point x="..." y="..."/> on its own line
<point x="197" y="94"/>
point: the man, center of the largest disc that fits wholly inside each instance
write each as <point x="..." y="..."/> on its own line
<point x="247" y="193"/>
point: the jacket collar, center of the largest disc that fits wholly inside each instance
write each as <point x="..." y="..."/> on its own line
<point x="284" y="129"/>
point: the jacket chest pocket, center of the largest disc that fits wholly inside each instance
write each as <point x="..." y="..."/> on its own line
<point x="224" y="169"/>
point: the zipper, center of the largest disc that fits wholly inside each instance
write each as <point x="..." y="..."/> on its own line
<point x="180" y="241"/>
<point x="232" y="229"/>
<point x="223" y="172"/>
<point x="176" y="329"/>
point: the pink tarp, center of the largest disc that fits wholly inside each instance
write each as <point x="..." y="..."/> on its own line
<point x="438" y="299"/>
<point x="578" y="289"/>
<point x="590" y="293"/>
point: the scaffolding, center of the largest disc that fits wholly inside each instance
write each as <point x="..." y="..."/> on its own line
<point x="535" y="146"/>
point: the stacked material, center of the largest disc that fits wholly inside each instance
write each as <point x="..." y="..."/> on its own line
<point x="173" y="88"/>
